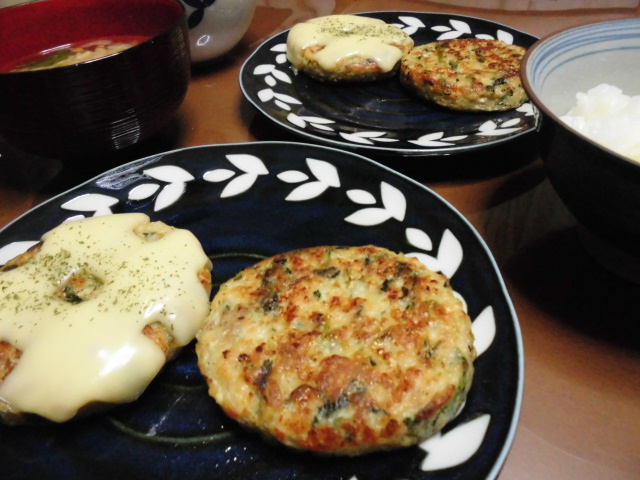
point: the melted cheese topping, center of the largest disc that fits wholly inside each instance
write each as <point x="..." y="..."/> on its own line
<point x="344" y="36"/>
<point x="76" y="354"/>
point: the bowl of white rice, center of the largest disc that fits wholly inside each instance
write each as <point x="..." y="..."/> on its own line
<point x="585" y="85"/>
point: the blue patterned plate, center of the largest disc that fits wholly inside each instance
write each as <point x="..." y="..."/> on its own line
<point x="245" y="202"/>
<point x="381" y="116"/>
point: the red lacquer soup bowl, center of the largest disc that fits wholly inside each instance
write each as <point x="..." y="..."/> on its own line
<point x="132" y="77"/>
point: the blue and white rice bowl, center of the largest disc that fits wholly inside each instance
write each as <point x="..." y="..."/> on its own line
<point x="600" y="187"/>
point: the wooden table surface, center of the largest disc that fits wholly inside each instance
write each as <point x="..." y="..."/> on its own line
<point x="580" y="415"/>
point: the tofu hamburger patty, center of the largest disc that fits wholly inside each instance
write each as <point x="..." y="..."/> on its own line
<point x="338" y="350"/>
<point x="468" y="74"/>
<point x="351" y="48"/>
<point x="89" y="315"/>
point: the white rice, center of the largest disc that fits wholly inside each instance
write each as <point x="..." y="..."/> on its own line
<point x="607" y="116"/>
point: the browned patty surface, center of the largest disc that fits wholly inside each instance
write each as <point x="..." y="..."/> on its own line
<point x="341" y="350"/>
<point x="466" y="74"/>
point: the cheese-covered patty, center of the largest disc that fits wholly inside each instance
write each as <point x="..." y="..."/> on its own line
<point x="346" y="48"/>
<point x="91" y="314"/>
<point x="466" y="74"/>
<point x="338" y="350"/>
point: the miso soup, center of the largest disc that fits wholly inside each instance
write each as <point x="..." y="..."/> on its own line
<point x="73" y="54"/>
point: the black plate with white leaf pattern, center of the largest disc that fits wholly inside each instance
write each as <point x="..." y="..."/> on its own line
<point x="382" y="116"/>
<point x="245" y="202"/>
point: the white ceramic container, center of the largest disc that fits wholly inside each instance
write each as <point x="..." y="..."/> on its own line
<point x="216" y="26"/>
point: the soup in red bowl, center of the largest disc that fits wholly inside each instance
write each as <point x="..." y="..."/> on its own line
<point x="81" y="77"/>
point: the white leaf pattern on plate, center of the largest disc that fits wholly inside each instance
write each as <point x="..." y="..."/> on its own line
<point x="394" y="206"/>
<point x="412" y="24"/>
<point x="361" y="197"/>
<point x="144" y="191"/>
<point x="218" y="175"/>
<point x="527" y="109"/>
<point x="457" y="29"/>
<point x="307" y="192"/>
<point x="456" y="446"/>
<point x="317" y="122"/>
<point x="248" y="164"/>
<point x="293" y="176"/>
<point x="281" y="57"/>
<point x="268" y="94"/>
<point x="506" y="37"/>
<point x="324" y="171"/>
<point x="286" y="98"/>
<point x="176" y="179"/>
<point x="283" y="77"/>
<point x="449" y="256"/>
<point x="169" y="174"/>
<point x="251" y="166"/>
<point x="271" y="74"/>
<point x="263" y="69"/>
<point x="491" y="128"/>
<point x="326" y="176"/>
<point x="169" y="194"/>
<point x="368" y="217"/>
<point x="92" y="202"/>
<point x="436" y="140"/>
<point x="366" y="137"/>
<point x="418" y="238"/>
<point x="484" y="330"/>
<point x="393" y="200"/>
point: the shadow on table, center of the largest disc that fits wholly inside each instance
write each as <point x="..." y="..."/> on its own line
<point x="50" y="176"/>
<point x="562" y="278"/>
